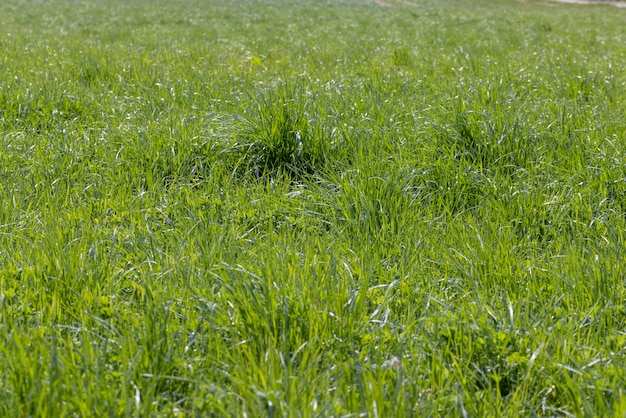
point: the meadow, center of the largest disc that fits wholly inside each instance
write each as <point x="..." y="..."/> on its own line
<point x="312" y="208"/>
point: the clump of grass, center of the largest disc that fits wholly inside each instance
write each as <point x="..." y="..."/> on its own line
<point x="401" y="57"/>
<point x="489" y="139"/>
<point x="278" y="137"/>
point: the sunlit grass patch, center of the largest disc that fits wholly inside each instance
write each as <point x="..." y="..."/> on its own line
<point x="311" y="208"/>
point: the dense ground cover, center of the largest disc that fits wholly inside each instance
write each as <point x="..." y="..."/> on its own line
<point x="312" y="208"/>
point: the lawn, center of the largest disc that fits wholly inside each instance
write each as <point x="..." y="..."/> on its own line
<point x="312" y="208"/>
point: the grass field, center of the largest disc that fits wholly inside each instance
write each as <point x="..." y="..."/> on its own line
<point x="312" y="208"/>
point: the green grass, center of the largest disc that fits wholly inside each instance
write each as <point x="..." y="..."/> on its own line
<point x="312" y="208"/>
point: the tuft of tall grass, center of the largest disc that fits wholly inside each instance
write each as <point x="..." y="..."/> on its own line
<point x="278" y="135"/>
